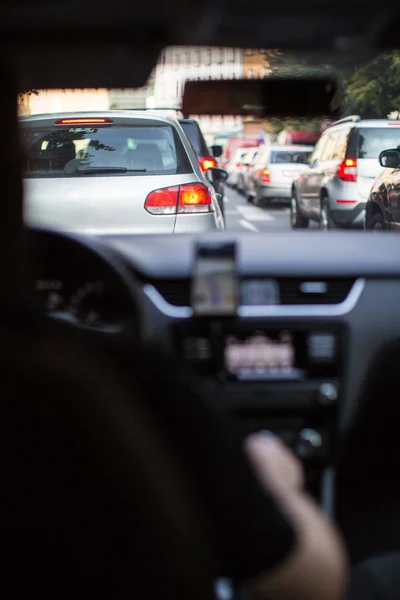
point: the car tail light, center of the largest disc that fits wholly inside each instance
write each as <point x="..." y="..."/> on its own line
<point x="265" y="177"/>
<point x="163" y="202"/>
<point x="194" y="197"/>
<point x="84" y="121"/>
<point x="207" y="162"/>
<point x="238" y="165"/>
<point x="347" y="170"/>
<point x="187" y="198"/>
<point x="395" y="123"/>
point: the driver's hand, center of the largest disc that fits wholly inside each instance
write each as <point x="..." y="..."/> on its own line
<point x="276" y="466"/>
<point x="317" y="567"/>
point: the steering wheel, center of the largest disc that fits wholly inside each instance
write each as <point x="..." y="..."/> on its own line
<point x="86" y="284"/>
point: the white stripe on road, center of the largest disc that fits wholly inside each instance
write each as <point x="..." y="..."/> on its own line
<point x="248" y="225"/>
<point x="252" y="213"/>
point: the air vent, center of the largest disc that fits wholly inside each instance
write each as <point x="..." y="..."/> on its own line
<point x="174" y="291"/>
<point x="292" y="291"/>
<point x="314" y="291"/>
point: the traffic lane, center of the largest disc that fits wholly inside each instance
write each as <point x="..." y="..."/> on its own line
<point x="241" y="215"/>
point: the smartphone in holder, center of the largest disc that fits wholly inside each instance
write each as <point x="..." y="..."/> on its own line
<point x="215" y="285"/>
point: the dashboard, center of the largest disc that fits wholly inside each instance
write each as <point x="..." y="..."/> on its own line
<point x="315" y="326"/>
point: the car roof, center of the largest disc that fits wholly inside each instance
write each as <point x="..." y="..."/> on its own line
<point x="126" y="115"/>
<point x="366" y="123"/>
<point x="376" y="123"/>
<point x="45" y="38"/>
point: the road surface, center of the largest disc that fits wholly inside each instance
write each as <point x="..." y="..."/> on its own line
<point x="240" y="215"/>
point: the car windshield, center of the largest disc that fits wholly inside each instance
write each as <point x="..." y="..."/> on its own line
<point x="71" y="151"/>
<point x="140" y="149"/>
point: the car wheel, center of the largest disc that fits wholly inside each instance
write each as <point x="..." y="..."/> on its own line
<point x="378" y="223"/>
<point x="325" y="219"/>
<point x="257" y="200"/>
<point x="297" y="220"/>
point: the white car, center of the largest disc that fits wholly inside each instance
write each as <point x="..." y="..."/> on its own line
<point x="234" y="165"/>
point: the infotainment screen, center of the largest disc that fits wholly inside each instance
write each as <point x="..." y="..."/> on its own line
<point x="261" y="355"/>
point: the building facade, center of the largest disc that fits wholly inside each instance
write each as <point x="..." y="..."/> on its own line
<point x="255" y="64"/>
<point x="177" y="64"/>
<point x="63" y="100"/>
<point x="132" y="98"/>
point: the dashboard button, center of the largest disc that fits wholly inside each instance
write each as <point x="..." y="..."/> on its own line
<point x="308" y="444"/>
<point x="327" y="394"/>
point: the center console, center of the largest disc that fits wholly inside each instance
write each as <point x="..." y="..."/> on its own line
<point x="281" y="377"/>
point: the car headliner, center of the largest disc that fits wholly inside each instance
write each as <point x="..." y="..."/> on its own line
<point x="69" y="43"/>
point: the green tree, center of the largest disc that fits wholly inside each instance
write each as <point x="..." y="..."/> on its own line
<point x="372" y="90"/>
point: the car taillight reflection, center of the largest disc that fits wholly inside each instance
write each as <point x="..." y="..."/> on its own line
<point x="187" y="198"/>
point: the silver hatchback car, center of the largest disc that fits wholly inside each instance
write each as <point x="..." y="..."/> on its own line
<point x="114" y="172"/>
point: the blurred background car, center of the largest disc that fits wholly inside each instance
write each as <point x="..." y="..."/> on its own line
<point x="234" y="166"/>
<point x="334" y="189"/>
<point x="232" y="145"/>
<point x="382" y="211"/>
<point x="273" y="173"/>
<point x="249" y="160"/>
<point x="115" y="172"/>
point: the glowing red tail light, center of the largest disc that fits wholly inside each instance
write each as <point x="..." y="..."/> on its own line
<point x="187" y="198"/>
<point x="347" y="170"/>
<point x="265" y="177"/>
<point x="207" y="162"/>
<point x="84" y="121"/>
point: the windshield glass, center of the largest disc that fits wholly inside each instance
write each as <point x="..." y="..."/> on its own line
<point x="144" y="168"/>
<point x="70" y="151"/>
<point x="193" y="133"/>
<point x="373" y="140"/>
<point x="293" y="156"/>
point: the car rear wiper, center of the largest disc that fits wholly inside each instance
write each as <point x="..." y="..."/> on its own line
<point x="94" y="170"/>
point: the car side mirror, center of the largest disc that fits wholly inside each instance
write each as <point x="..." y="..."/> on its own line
<point x="216" y="151"/>
<point x="216" y="175"/>
<point x="390" y="159"/>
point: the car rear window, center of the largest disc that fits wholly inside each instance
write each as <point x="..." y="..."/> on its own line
<point x="372" y="140"/>
<point x="290" y="156"/>
<point x="194" y="134"/>
<point x="65" y="151"/>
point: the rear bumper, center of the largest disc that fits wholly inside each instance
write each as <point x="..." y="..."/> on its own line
<point x="198" y="223"/>
<point x="272" y="191"/>
<point x="350" y="217"/>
